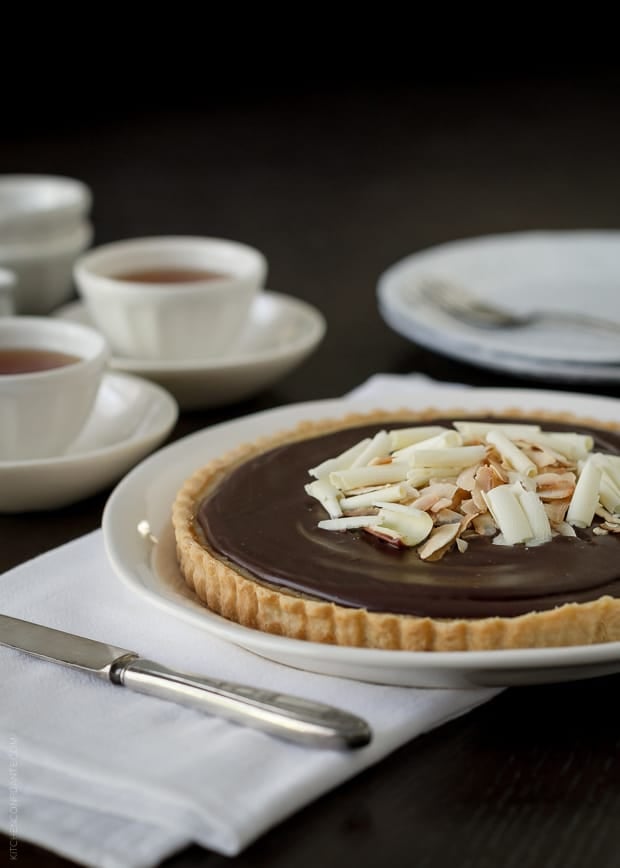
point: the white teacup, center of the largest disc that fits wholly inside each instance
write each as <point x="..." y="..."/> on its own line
<point x="43" y="229"/>
<point x="40" y="208"/>
<point x="170" y="298"/>
<point x="7" y="292"/>
<point x="50" y="371"/>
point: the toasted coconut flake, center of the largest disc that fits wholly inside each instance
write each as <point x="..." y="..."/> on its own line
<point x="439" y="542"/>
<point x="486" y="479"/>
<point x="543" y="456"/>
<point x="606" y="515"/>
<point x="468" y="507"/>
<point x="555" y="480"/>
<point x="447" y="516"/>
<point x="501" y="473"/>
<point x="467" y="477"/>
<point x="466" y="520"/>
<point x="556" y="510"/>
<point x="484" y="524"/>
<point x="386" y="534"/>
<point x="440" y="492"/>
<point x="461" y="544"/>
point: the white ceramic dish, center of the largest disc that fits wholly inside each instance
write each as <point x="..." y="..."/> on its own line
<point x="574" y="271"/>
<point x="173" y="320"/>
<point x="280" y="333"/>
<point x="44" y="269"/>
<point x="147" y="493"/>
<point x="43" y="411"/>
<point x="36" y="208"/>
<point x="130" y="418"/>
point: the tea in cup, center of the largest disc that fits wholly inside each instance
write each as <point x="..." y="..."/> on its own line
<point x="50" y="372"/>
<point x="171" y="298"/>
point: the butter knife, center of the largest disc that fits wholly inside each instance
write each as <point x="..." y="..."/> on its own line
<point x="289" y="717"/>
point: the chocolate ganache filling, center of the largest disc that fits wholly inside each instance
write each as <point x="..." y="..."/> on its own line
<point x="259" y="519"/>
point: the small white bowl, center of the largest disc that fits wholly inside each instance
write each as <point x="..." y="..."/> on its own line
<point x="162" y="319"/>
<point x="42" y="412"/>
<point x="44" y="270"/>
<point x="36" y="208"/>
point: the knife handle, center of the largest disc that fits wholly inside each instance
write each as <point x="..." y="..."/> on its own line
<point x="290" y="717"/>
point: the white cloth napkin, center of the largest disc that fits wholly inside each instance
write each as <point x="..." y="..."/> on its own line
<point x="110" y="778"/>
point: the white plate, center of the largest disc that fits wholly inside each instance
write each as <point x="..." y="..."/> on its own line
<point x="552" y="270"/>
<point x="280" y="333"/>
<point x="130" y="418"/>
<point x="148" y="491"/>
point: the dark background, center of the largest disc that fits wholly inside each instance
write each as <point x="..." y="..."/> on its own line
<point x="333" y="170"/>
<point x="336" y="167"/>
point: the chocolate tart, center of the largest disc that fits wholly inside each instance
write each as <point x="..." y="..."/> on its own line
<point x="248" y="545"/>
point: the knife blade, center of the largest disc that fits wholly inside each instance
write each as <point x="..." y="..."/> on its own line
<point x="283" y="715"/>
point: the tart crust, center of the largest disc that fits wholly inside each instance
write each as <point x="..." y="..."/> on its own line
<point x="235" y="594"/>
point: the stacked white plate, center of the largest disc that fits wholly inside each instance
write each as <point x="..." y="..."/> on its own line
<point x="577" y="271"/>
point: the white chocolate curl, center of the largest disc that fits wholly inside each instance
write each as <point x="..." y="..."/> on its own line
<point x="479" y="430"/>
<point x="439" y="441"/>
<point x="349" y="522"/>
<point x="508" y="513"/>
<point x="455" y="456"/>
<point x="377" y="474"/>
<point x="511" y="453"/>
<point x="573" y="446"/>
<point x="327" y="496"/>
<point x="402" y="437"/>
<point x="427" y="486"/>
<point x="392" y="493"/>
<point x="532" y="506"/>
<point x="379" y="447"/>
<point x="412" y="525"/>
<point x="586" y="495"/>
<point x="340" y="462"/>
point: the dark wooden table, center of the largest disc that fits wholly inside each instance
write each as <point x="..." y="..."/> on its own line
<point x="335" y="184"/>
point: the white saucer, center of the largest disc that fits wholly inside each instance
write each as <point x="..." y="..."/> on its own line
<point x="281" y="332"/>
<point x="576" y="271"/>
<point x="130" y="418"/>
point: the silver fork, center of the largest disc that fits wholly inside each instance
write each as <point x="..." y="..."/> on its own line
<point x="463" y="305"/>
